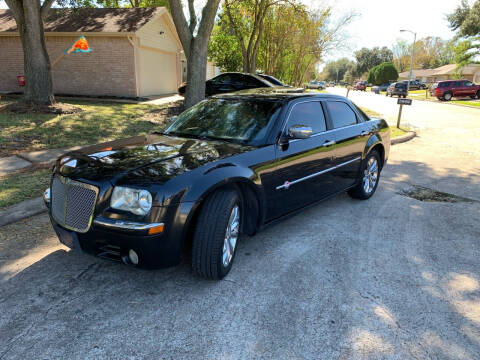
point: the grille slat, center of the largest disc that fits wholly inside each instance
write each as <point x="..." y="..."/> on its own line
<point x="73" y="203"/>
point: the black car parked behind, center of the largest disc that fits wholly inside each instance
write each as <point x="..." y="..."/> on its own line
<point x="229" y="82"/>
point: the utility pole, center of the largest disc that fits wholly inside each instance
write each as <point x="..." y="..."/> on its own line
<point x="411" y="57"/>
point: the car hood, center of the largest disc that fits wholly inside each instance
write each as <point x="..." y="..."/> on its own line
<point x="143" y="159"/>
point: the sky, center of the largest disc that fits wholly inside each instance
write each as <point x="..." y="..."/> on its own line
<point x="379" y="21"/>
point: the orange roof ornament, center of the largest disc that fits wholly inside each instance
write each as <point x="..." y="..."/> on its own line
<point x="79" y="46"/>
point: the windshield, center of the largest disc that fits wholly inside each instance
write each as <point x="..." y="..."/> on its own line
<point x="245" y="121"/>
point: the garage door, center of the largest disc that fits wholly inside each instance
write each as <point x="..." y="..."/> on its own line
<point x="158" y="73"/>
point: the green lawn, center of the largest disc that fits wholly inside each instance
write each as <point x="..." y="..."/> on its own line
<point x="371" y="113"/>
<point x="396" y="132"/>
<point x="98" y="122"/>
<point x="23" y="186"/>
<point x="467" y="102"/>
<point x="420" y="95"/>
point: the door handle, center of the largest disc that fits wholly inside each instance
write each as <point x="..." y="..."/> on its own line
<point x="364" y="133"/>
<point x="328" y="143"/>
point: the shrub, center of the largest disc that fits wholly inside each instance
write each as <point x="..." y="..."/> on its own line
<point x="380" y="74"/>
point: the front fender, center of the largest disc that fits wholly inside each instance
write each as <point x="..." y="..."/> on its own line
<point x="206" y="184"/>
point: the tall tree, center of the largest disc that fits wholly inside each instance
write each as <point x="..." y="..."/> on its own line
<point x="401" y="55"/>
<point x="368" y="58"/>
<point x="466" y="21"/>
<point x="195" y="44"/>
<point x="247" y="21"/>
<point x="29" y="15"/>
<point x="336" y="70"/>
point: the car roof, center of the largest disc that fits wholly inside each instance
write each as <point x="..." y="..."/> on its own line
<point x="247" y="74"/>
<point x="277" y="93"/>
<point x="442" y="81"/>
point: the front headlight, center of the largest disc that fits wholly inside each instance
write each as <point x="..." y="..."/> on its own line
<point x="136" y="201"/>
<point x="46" y="195"/>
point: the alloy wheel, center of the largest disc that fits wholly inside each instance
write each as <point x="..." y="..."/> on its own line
<point x="231" y="236"/>
<point x="370" y="175"/>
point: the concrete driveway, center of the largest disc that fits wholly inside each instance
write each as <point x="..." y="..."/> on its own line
<point x="387" y="278"/>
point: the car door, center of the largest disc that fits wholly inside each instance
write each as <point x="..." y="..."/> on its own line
<point x="468" y="88"/>
<point x="301" y="167"/>
<point x="457" y="88"/>
<point x="351" y="133"/>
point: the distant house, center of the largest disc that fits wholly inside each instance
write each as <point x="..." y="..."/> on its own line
<point x="135" y="52"/>
<point x="469" y="72"/>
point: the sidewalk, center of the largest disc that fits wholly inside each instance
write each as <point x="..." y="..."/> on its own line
<point x="11" y="164"/>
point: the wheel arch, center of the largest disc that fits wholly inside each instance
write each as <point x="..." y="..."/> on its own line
<point x="375" y="144"/>
<point x="253" y="206"/>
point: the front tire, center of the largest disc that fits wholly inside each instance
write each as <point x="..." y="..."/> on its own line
<point x="369" y="178"/>
<point x="216" y="235"/>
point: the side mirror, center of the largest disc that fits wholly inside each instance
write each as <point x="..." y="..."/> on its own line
<point x="300" y="132"/>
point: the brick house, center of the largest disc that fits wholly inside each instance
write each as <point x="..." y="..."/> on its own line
<point x="446" y="72"/>
<point x="135" y="52"/>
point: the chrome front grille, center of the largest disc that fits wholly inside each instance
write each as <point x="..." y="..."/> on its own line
<point x="73" y="203"/>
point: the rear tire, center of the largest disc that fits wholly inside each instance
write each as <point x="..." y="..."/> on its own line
<point x="212" y="252"/>
<point x="369" y="178"/>
<point x="447" y="96"/>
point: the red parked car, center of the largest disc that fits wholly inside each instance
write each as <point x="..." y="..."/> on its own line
<point x="445" y="90"/>
<point x="360" y="85"/>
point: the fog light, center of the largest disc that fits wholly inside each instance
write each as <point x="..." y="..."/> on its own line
<point x="132" y="255"/>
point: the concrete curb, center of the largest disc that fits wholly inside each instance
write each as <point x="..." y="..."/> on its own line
<point x="22" y="210"/>
<point x="401" y="139"/>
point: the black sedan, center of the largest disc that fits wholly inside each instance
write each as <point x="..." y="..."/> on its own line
<point x="227" y="166"/>
<point x="229" y="82"/>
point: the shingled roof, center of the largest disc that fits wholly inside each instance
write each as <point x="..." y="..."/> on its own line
<point x="88" y="19"/>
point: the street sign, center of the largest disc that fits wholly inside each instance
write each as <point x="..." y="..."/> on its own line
<point x="401" y="101"/>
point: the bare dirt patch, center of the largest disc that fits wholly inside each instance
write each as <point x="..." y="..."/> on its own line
<point x="429" y="195"/>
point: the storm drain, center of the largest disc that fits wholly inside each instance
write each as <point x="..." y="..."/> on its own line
<point x="429" y="195"/>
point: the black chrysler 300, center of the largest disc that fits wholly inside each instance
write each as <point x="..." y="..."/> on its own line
<point x="228" y="165"/>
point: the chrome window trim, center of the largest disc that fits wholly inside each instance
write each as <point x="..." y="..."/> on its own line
<point x="326" y="132"/>
<point x="303" y="102"/>
<point x="124" y="225"/>
<point x="290" y="183"/>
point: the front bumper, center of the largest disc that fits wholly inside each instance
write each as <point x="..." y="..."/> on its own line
<point x="154" y="251"/>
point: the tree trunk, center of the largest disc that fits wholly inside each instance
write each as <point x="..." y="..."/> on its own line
<point x="196" y="75"/>
<point x="195" y="47"/>
<point x="38" y="77"/>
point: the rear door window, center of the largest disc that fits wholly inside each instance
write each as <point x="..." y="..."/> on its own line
<point x="308" y="114"/>
<point x="457" y="83"/>
<point x="342" y="115"/>
<point x="250" y="81"/>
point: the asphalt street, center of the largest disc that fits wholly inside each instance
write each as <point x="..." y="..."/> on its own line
<point x="387" y="278"/>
